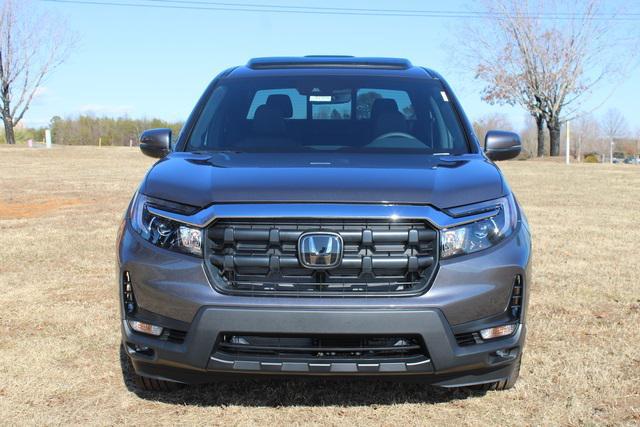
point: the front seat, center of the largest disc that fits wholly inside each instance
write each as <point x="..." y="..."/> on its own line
<point x="282" y="103"/>
<point x="387" y="118"/>
<point x="268" y="128"/>
<point x="268" y="122"/>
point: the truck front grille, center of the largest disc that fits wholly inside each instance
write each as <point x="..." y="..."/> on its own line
<point x="380" y="257"/>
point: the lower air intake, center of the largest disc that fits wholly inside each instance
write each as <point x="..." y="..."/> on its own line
<point x="322" y="346"/>
<point x="515" y="304"/>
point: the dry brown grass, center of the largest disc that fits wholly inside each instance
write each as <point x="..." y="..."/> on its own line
<point x="59" y="359"/>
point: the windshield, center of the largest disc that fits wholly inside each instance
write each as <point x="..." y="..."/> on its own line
<point x="312" y="114"/>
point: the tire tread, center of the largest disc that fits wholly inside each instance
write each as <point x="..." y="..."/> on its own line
<point x="152" y="384"/>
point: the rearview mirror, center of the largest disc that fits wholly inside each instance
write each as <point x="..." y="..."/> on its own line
<point x="156" y="142"/>
<point x="502" y="145"/>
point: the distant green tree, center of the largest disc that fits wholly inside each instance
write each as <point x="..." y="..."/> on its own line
<point x="88" y="130"/>
<point x="364" y="103"/>
<point x="409" y="112"/>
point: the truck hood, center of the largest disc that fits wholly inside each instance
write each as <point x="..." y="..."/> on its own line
<point x="226" y="177"/>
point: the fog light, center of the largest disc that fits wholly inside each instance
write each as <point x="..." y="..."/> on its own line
<point x="498" y="331"/>
<point x="238" y="340"/>
<point x="145" y="328"/>
<point x="503" y="353"/>
<point x="139" y="349"/>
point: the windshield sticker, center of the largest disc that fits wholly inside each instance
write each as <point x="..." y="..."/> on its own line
<point x="444" y="96"/>
<point x="319" y="98"/>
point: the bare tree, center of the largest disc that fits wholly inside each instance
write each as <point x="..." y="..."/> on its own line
<point x="505" y="63"/>
<point x="32" y="45"/>
<point x="614" y="125"/>
<point x="529" y="136"/>
<point x="490" y="121"/>
<point x="587" y="135"/>
<point x="548" y="56"/>
<point x="637" y="135"/>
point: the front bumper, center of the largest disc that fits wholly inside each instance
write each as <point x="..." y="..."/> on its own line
<point x="448" y="364"/>
<point x="468" y="293"/>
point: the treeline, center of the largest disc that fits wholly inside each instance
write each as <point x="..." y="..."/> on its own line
<point x="590" y="136"/>
<point x="89" y="130"/>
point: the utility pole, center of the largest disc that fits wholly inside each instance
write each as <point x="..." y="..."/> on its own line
<point x="568" y="142"/>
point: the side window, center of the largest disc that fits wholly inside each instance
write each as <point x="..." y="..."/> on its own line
<point x="298" y="102"/>
<point x="366" y="97"/>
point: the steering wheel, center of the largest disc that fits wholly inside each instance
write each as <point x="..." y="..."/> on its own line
<point x="394" y="135"/>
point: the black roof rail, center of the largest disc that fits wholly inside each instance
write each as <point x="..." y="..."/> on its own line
<point x="321" y="61"/>
<point x="329" y="56"/>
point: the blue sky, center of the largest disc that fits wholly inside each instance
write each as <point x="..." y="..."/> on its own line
<point x="155" y="63"/>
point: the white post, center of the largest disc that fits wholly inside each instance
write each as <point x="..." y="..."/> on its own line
<point x="611" y="152"/>
<point x="47" y="137"/>
<point x="579" y="148"/>
<point x="568" y="142"/>
<point x="130" y="143"/>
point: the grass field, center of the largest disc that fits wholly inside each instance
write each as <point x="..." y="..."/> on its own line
<point x="59" y="355"/>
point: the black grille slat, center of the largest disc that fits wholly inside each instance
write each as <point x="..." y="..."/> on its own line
<point x="260" y="257"/>
<point x="468" y="338"/>
<point x="318" y="346"/>
<point x="173" y="335"/>
<point x="515" y="304"/>
<point x="257" y="348"/>
<point x="232" y="235"/>
<point x="265" y="261"/>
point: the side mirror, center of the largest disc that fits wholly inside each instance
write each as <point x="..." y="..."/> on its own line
<point x="502" y="145"/>
<point x="156" y="142"/>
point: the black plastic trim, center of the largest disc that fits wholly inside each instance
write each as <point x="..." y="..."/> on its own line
<point x="328" y="62"/>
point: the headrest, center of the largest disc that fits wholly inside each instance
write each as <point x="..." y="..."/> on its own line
<point x="282" y="103"/>
<point x="268" y="121"/>
<point x="383" y="105"/>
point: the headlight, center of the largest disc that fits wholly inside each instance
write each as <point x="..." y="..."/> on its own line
<point x="163" y="232"/>
<point x="482" y="234"/>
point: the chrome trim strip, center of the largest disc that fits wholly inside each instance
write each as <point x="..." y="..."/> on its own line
<point x="222" y="361"/>
<point x="422" y="362"/>
<point x="435" y="217"/>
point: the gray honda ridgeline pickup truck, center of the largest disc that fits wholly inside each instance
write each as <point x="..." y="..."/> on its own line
<point x="325" y="215"/>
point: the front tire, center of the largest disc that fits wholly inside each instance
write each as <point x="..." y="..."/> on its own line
<point x="152" y="384"/>
<point x="142" y="383"/>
